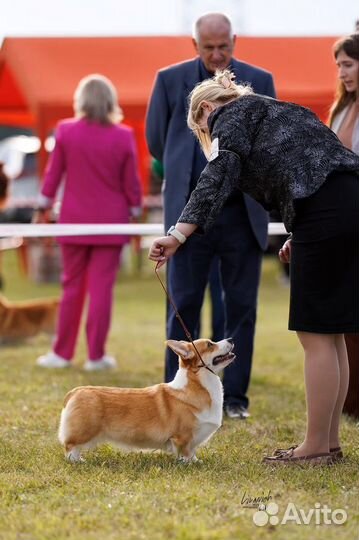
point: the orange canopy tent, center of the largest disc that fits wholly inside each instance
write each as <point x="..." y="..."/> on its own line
<point x="38" y="75"/>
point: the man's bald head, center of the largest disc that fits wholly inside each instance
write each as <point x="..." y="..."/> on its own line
<point x="214" y="41"/>
<point x="212" y="22"/>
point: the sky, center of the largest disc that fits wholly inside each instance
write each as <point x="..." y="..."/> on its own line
<point x="175" y="17"/>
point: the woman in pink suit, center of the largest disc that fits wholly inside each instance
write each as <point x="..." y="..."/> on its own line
<point x="97" y="161"/>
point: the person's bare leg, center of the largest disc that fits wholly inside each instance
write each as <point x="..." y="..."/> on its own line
<point x="322" y="382"/>
<point x="343" y="390"/>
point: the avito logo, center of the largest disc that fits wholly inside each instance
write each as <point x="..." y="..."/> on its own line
<point x="319" y="515"/>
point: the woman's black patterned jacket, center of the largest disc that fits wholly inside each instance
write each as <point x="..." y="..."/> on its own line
<point x="273" y="150"/>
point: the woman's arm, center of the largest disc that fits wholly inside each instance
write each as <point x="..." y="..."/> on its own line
<point x="130" y="179"/>
<point x="55" y="168"/>
<point x="216" y="183"/>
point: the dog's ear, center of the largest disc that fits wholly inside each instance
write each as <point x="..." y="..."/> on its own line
<point x="182" y="348"/>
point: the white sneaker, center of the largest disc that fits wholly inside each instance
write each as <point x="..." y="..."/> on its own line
<point x="52" y="360"/>
<point x="106" y="362"/>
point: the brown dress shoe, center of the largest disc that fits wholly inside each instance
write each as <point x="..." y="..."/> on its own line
<point x="337" y="453"/>
<point x="286" y="457"/>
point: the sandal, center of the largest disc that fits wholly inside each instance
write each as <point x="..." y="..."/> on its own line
<point x="286" y="457"/>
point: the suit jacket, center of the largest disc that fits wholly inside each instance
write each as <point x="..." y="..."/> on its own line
<point x="99" y="166"/>
<point x="275" y="151"/>
<point x="171" y="142"/>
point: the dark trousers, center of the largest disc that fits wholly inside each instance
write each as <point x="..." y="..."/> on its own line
<point x="232" y="240"/>
<point x="217" y="303"/>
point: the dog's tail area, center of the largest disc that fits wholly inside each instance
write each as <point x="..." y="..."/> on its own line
<point x="62" y="427"/>
<point x="69" y="396"/>
<point x="65" y="413"/>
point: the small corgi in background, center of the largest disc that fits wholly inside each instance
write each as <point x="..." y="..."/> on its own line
<point x="175" y="417"/>
<point x="28" y="318"/>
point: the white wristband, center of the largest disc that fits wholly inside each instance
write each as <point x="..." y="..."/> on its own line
<point x="172" y="231"/>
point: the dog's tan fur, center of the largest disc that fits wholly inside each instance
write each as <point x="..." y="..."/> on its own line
<point x="174" y="417"/>
<point x="21" y="320"/>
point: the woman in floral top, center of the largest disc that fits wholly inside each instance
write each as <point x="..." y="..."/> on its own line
<point x="285" y="158"/>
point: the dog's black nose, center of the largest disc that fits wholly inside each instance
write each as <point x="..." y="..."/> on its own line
<point x="230" y="339"/>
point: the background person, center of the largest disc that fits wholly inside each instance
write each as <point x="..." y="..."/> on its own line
<point x="4" y="190"/>
<point x="4" y="186"/>
<point x="344" y="121"/>
<point x="282" y="155"/>
<point x="98" y="159"/>
<point x="240" y="232"/>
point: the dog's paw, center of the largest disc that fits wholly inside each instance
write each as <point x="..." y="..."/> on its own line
<point x="75" y="457"/>
<point x="188" y="460"/>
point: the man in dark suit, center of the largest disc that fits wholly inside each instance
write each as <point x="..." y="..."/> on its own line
<point x="240" y="233"/>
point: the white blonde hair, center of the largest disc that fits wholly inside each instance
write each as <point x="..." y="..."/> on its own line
<point x="221" y="89"/>
<point x="96" y="98"/>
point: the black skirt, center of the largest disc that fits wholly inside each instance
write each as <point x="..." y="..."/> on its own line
<point x="324" y="269"/>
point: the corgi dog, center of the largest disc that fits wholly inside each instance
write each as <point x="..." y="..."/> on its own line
<point x="176" y="417"/>
<point x="21" y="320"/>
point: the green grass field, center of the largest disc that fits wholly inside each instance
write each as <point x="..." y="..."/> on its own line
<point x="150" y="496"/>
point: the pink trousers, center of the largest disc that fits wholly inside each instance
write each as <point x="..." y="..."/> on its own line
<point x="86" y="270"/>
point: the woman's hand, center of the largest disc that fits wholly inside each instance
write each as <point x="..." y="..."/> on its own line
<point x="41" y="216"/>
<point x="162" y="249"/>
<point x="285" y="251"/>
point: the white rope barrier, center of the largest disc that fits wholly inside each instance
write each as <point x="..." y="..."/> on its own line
<point x="133" y="229"/>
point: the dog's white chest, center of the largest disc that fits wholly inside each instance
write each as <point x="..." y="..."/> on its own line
<point x="214" y="413"/>
<point x="210" y="419"/>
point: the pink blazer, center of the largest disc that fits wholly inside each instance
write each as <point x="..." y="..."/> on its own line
<point x="98" y="164"/>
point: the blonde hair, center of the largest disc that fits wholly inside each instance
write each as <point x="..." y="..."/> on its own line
<point x="96" y="98"/>
<point x="221" y="89"/>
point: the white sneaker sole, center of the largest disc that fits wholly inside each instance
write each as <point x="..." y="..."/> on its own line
<point x="52" y="362"/>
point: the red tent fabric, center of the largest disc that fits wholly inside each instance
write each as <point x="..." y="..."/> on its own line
<point x="38" y="75"/>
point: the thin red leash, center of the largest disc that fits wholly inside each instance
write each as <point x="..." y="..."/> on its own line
<point x="186" y="331"/>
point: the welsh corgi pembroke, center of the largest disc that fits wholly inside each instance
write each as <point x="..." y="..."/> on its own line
<point x="26" y="319"/>
<point x="176" y="417"/>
